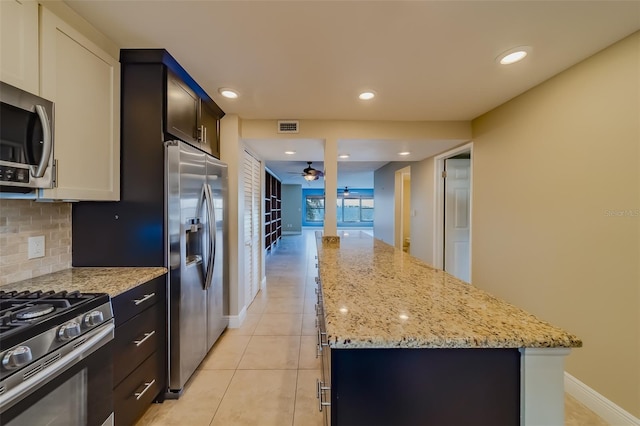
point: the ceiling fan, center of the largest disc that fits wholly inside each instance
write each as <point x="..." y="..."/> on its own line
<point x="346" y="192"/>
<point x="309" y="173"/>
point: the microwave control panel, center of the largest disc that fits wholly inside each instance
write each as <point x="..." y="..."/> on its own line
<point x="14" y="174"/>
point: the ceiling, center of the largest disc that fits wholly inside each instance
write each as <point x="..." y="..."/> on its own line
<point x="425" y="60"/>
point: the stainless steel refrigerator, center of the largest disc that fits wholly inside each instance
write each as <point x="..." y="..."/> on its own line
<point x="172" y="208"/>
<point x="196" y="194"/>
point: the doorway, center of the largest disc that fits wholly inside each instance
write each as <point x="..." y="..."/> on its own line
<point x="402" y="201"/>
<point x="454" y="173"/>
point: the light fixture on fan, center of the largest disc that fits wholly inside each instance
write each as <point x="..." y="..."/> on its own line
<point x="309" y="173"/>
<point x="346" y="192"/>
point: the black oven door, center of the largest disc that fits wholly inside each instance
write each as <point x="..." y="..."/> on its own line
<point x="73" y="392"/>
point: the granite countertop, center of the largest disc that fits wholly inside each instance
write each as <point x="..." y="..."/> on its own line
<point x="376" y="296"/>
<point x="112" y="280"/>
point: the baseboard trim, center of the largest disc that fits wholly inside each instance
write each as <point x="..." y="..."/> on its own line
<point x="608" y="410"/>
<point x="235" y="321"/>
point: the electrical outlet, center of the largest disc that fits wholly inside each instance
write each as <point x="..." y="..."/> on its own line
<point x="36" y="247"/>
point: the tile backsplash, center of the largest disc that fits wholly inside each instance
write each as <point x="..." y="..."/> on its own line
<point x="21" y="219"/>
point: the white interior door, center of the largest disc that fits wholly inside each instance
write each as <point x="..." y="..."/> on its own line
<point x="457" y="223"/>
<point x="251" y="226"/>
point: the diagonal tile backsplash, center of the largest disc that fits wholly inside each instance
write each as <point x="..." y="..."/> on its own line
<point x="21" y="219"/>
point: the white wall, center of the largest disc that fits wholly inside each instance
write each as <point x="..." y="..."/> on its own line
<point x="291" y="209"/>
<point x="232" y="153"/>
<point x="383" y="196"/>
<point x="422" y="201"/>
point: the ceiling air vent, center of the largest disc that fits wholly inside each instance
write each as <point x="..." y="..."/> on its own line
<point x="287" y="126"/>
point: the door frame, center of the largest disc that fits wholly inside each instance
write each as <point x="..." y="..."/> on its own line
<point x="398" y="200"/>
<point x="438" y="225"/>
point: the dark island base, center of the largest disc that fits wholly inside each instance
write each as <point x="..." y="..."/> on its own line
<point x="395" y="387"/>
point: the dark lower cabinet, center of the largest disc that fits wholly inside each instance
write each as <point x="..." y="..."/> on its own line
<point x="416" y="386"/>
<point x="441" y="387"/>
<point x="139" y="350"/>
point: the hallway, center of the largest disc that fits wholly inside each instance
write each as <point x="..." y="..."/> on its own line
<point x="264" y="373"/>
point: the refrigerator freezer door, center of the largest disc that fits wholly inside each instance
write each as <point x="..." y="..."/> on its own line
<point x="217" y="181"/>
<point x="187" y="234"/>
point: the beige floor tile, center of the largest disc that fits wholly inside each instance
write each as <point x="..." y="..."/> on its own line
<point x="307" y="412"/>
<point x="271" y="353"/>
<point x="258" y="304"/>
<point x="309" y="325"/>
<point x="309" y="306"/>
<point x="576" y="414"/>
<point x="248" y="326"/>
<point x="197" y="405"/>
<point x="262" y="397"/>
<point x="308" y="348"/>
<point x="286" y="291"/>
<point x="284" y="280"/>
<point x="279" y="325"/>
<point x="226" y="353"/>
<point x="310" y="292"/>
<point x="284" y="305"/>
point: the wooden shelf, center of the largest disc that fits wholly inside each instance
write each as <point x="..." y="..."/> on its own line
<point x="272" y="211"/>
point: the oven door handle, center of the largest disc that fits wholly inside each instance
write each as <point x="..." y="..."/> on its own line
<point x="102" y="336"/>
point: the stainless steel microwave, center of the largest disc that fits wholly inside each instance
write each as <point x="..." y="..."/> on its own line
<point x="26" y="141"/>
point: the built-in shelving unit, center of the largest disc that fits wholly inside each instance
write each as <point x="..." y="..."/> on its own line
<point x="272" y="210"/>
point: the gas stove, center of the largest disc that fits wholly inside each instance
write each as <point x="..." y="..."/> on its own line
<point x="38" y="328"/>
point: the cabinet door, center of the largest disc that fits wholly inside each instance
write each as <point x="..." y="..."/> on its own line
<point x="84" y="83"/>
<point x="182" y="110"/>
<point x="209" y="131"/>
<point x="19" y="44"/>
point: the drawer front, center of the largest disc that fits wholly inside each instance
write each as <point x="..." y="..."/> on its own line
<point x="131" y="303"/>
<point x="136" y="339"/>
<point x="132" y="397"/>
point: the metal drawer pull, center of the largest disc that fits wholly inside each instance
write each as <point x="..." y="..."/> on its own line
<point x="320" y="393"/>
<point x="147" y="385"/>
<point x="144" y="299"/>
<point x="145" y="338"/>
<point x="317" y="280"/>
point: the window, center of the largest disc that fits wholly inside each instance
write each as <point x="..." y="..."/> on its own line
<point x="354" y="210"/>
<point x="315" y="208"/>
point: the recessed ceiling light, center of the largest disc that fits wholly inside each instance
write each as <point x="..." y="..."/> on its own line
<point x="365" y="96"/>
<point x="343" y="156"/>
<point x="404" y="153"/>
<point x="228" y="93"/>
<point x="514" y="55"/>
<point x="289" y="152"/>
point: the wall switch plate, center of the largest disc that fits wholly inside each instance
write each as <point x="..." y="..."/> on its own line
<point x="36" y="247"/>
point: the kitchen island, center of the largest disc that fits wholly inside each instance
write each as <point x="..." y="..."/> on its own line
<point x="405" y="343"/>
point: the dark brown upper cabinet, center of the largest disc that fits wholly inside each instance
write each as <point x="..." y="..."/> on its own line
<point x="191" y="118"/>
<point x="189" y="113"/>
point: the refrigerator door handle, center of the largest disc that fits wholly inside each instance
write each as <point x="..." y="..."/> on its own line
<point x="211" y="220"/>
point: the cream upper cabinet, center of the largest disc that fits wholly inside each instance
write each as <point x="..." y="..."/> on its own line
<point x="84" y="83"/>
<point x="19" y="44"/>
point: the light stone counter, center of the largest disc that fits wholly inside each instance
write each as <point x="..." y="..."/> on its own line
<point x="376" y="296"/>
<point x="112" y="280"/>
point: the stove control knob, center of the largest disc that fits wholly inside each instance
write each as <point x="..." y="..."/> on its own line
<point x="93" y="318"/>
<point x="69" y="331"/>
<point x="17" y="357"/>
